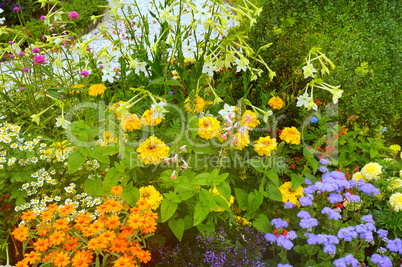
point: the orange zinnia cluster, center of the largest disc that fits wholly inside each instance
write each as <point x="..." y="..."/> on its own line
<point x="66" y="237"/>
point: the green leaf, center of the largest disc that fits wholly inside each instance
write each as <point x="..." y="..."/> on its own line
<point x="168" y="208"/>
<point x="177" y="227"/>
<point x="373" y="152"/>
<point x="312" y="178"/>
<point x="131" y="194"/>
<point x="274" y="193"/>
<point x="241" y="197"/>
<point x="221" y="203"/>
<point x="97" y="153"/>
<point x="201" y="179"/>
<point x="262" y="223"/>
<point x="297" y="180"/>
<point x="273" y="176"/>
<point x="224" y="190"/>
<point x="207" y="227"/>
<point x="92" y="186"/>
<point x="75" y="161"/>
<point x="254" y="200"/>
<point x="112" y="178"/>
<point x="257" y="164"/>
<point x="200" y="213"/>
<point x="222" y="177"/>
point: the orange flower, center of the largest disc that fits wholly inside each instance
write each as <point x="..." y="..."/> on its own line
<point x="52" y="207"/>
<point x="125" y="231"/>
<point x="32" y="257"/>
<point x="56" y="238"/>
<point x="82" y="221"/>
<point x="124" y="262"/>
<point x="135" y="221"/>
<point x="44" y="228"/>
<point x="119" y="245"/>
<point x="151" y="214"/>
<point x="97" y="226"/>
<point x="28" y="215"/>
<point x="143" y="204"/>
<point x="42" y="244"/>
<point x="46" y="215"/>
<point x="50" y="255"/>
<point x="117" y="190"/>
<point x="113" y="205"/>
<point x="108" y="236"/>
<point x="144" y="256"/>
<point x="67" y="209"/>
<point x="61" y="224"/>
<point x="70" y="243"/>
<point x="21" y="233"/>
<point x="21" y="264"/>
<point x="149" y="226"/>
<point x="97" y="243"/>
<point x="112" y="222"/>
<point x="61" y="259"/>
<point x="82" y="258"/>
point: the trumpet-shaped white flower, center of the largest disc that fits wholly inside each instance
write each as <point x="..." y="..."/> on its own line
<point x="227" y="112"/>
<point x="203" y="14"/>
<point x="208" y="68"/>
<point x="62" y="122"/>
<point x="189" y="50"/>
<point x="242" y="64"/>
<point x="139" y="66"/>
<point x="309" y="71"/>
<point x="303" y="100"/>
<point x="159" y="109"/>
<point x="108" y="75"/>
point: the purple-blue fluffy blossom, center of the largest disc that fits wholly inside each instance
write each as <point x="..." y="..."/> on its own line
<point x="271" y="238"/>
<point x="309" y="189"/>
<point x="324" y="161"/>
<point x="348" y="260"/>
<point x="335" y="198"/>
<point x="353" y="198"/>
<point x="382" y="250"/>
<point x="367" y="236"/>
<point x="323" y="169"/>
<point x="303" y="214"/>
<point x="305" y="201"/>
<point x="288" y="205"/>
<point x="326" y="186"/>
<point x="329" y="248"/>
<point x="369" y="189"/>
<point x="307" y="181"/>
<point x="367" y="218"/>
<point x="284" y="265"/>
<point x="284" y="242"/>
<point x="382" y="261"/>
<point x="347" y="233"/>
<point x="308" y="223"/>
<point x="338" y="175"/>
<point x="291" y="235"/>
<point x="312" y="239"/>
<point x="382" y="233"/>
<point x="332" y="214"/>
<point x="279" y="223"/>
<point x="395" y="245"/>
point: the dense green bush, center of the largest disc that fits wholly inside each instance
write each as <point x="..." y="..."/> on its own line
<point x="363" y="37"/>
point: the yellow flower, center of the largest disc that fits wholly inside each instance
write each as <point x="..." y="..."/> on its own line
<point x="109" y="137"/>
<point x="151" y="195"/>
<point x="396" y="183"/>
<point x="395" y="149"/>
<point x="289" y="195"/>
<point x="199" y="105"/>
<point x="357" y="176"/>
<point x="242" y="140"/>
<point x="371" y="171"/>
<point x="130" y="122"/>
<point x="96" y="89"/>
<point x="208" y="127"/>
<point x="153" y="151"/>
<point x="216" y="193"/>
<point x="77" y="86"/>
<point x="290" y="135"/>
<point x="147" y="118"/>
<point x="251" y="120"/>
<point x="115" y="106"/>
<point x="396" y="201"/>
<point x="275" y="103"/>
<point x="265" y="145"/>
<point x="243" y="221"/>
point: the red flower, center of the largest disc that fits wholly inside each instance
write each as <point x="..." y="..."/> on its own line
<point x="343" y="133"/>
<point x="318" y="102"/>
<point x="336" y="136"/>
<point x="292" y="166"/>
<point x="347" y="175"/>
<point x="297" y="158"/>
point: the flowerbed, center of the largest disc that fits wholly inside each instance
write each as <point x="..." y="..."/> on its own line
<point x="125" y="155"/>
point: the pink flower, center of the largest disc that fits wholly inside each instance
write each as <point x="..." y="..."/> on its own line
<point x="73" y="15"/>
<point x="42" y="17"/>
<point x="25" y="69"/>
<point x="35" y="50"/>
<point x="16" y="8"/>
<point x="39" y="59"/>
<point x="21" y="54"/>
<point x="84" y="73"/>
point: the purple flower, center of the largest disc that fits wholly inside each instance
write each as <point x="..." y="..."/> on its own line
<point x="382" y="233"/>
<point x="324" y="161"/>
<point x="284" y="265"/>
<point x="395" y="245"/>
<point x="382" y="250"/>
<point x="305" y="201"/>
<point x="288" y="205"/>
<point x="348" y="260"/>
<point x="291" y="235"/>
<point x="73" y="15"/>
<point x="312" y="239"/>
<point x="271" y="238"/>
<point x="39" y="59"/>
<point x="84" y="73"/>
<point x="11" y="56"/>
<point x="307" y="181"/>
<point x="367" y="218"/>
<point x="279" y="223"/>
<point x="368" y="189"/>
<point x="25" y="69"/>
<point x="353" y="198"/>
<point x="329" y="248"/>
<point x="332" y="214"/>
<point x="338" y="175"/>
<point x="21" y="54"/>
<point x="335" y="198"/>
<point x="309" y="189"/>
<point x="21" y="88"/>
<point x="323" y="169"/>
<point x="303" y="214"/>
<point x="285" y="242"/>
<point x="16" y="8"/>
<point x="171" y="92"/>
<point x="42" y="17"/>
<point x="382" y="261"/>
<point x="35" y="50"/>
<point x="368" y="236"/>
<point x="347" y="233"/>
<point x="308" y="223"/>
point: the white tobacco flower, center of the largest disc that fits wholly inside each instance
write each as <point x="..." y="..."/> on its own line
<point x="303" y="100"/>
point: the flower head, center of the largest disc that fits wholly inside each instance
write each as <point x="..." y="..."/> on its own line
<point x="153" y="151"/>
<point x="289" y="195"/>
<point x="96" y="89"/>
<point x="208" y="127"/>
<point x="151" y="195"/>
<point x="73" y="15"/>
<point x="396" y="201"/>
<point x="39" y="59"/>
<point x="130" y="122"/>
<point x="276" y="103"/>
<point x="290" y="135"/>
<point x="265" y="145"/>
<point x="371" y="171"/>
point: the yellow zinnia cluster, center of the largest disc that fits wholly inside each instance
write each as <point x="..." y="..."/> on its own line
<point x="371" y="171"/>
<point x="151" y="195"/>
<point x="199" y="105"/>
<point x="153" y="151"/>
<point x="77" y="86"/>
<point x="147" y="118"/>
<point x="396" y="201"/>
<point x="265" y="145"/>
<point x="208" y="127"/>
<point x="130" y="122"/>
<point x="395" y="149"/>
<point x="251" y="120"/>
<point x="289" y="195"/>
<point x="216" y="193"/>
<point x="290" y="135"/>
<point x="96" y="89"/>
<point x="276" y="103"/>
<point x="242" y="140"/>
<point x="358" y="176"/>
<point x="117" y="113"/>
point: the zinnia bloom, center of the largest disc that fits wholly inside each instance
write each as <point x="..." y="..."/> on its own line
<point x="208" y="127"/>
<point x="130" y="122"/>
<point x="241" y="140"/>
<point x="265" y="145"/>
<point x="97" y="89"/>
<point x="82" y="258"/>
<point x="289" y="195"/>
<point x="395" y="149"/>
<point x="32" y="257"/>
<point x="148" y="118"/>
<point x="61" y="259"/>
<point x="199" y="105"/>
<point x="371" y="171"/>
<point x="249" y="119"/>
<point x="276" y="103"/>
<point x="153" y="151"/>
<point x="396" y="201"/>
<point x="290" y="135"/>
<point x="151" y="195"/>
<point x="117" y="190"/>
<point x="20" y="233"/>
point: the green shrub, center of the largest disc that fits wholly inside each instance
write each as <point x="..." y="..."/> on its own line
<point x="361" y="36"/>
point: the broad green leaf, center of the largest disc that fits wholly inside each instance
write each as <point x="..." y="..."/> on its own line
<point x="168" y="208"/>
<point x="75" y="161"/>
<point x="92" y="186"/>
<point x="201" y="179"/>
<point x="297" y="180"/>
<point x="262" y="223"/>
<point x="177" y="227"/>
<point x="241" y="197"/>
<point x="200" y="213"/>
<point x="224" y="190"/>
<point x="274" y="193"/>
<point x="221" y="203"/>
<point x="112" y="178"/>
<point x="131" y="194"/>
<point x="254" y="200"/>
<point x="273" y="176"/>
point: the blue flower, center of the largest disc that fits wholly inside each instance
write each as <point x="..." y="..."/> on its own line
<point x="347" y="233"/>
<point x="367" y="218"/>
<point x="288" y="205"/>
<point x="324" y="161"/>
<point x="382" y="233"/>
<point x="303" y="214"/>
<point x="307" y="181"/>
<point x="285" y="242"/>
<point x="323" y="169"/>
<point x="284" y="265"/>
<point x="305" y="201"/>
<point x="271" y="238"/>
<point x="369" y="189"/>
<point x="383" y="130"/>
<point x="346" y="261"/>
<point x="329" y="248"/>
<point x="395" y="245"/>
<point x="335" y="198"/>
<point x="308" y="223"/>
<point x="382" y="261"/>
<point x="313" y="119"/>
<point x="279" y="223"/>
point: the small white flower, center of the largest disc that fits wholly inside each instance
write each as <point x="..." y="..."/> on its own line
<point x="309" y="70"/>
<point x="189" y="50"/>
<point x="203" y="14"/>
<point x="303" y="100"/>
<point x="60" y="121"/>
<point x="208" y="68"/>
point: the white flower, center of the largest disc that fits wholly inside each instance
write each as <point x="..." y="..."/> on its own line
<point x="2" y="20"/>
<point x="203" y="15"/>
<point x="60" y="121"/>
<point x="1" y="10"/>
<point x="311" y="105"/>
<point x="303" y="100"/>
<point x="139" y="66"/>
<point x="189" y="50"/>
<point x="242" y="64"/>
<point x="227" y="112"/>
<point x="309" y="70"/>
<point x="172" y="20"/>
<point x="159" y="109"/>
<point x="108" y="75"/>
<point x="208" y="68"/>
